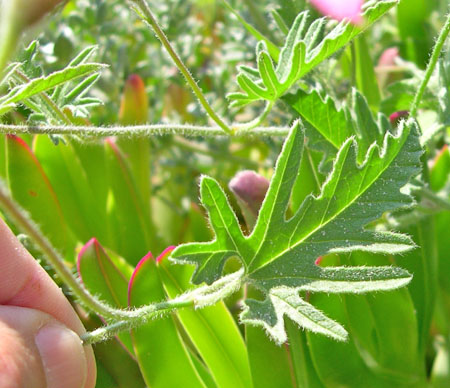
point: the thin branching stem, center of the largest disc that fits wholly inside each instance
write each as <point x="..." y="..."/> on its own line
<point x="58" y="113"/>
<point x="431" y="66"/>
<point x="157" y="310"/>
<point x="54" y="259"/>
<point x="145" y="12"/>
<point x="120" y="319"/>
<point x="138" y="130"/>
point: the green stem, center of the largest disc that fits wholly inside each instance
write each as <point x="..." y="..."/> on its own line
<point x="198" y="298"/>
<point x="353" y="63"/>
<point x="139" y="130"/>
<point x="54" y="259"/>
<point x="152" y="311"/>
<point x="59" y="114"/>
<point x="197" y="148"/>
<point x="150" y="19"/>
<point x="245" y="127"/>
<point x="121" y="319"/>
<point x="431" y="66"/>
<point x="259" y="20"/>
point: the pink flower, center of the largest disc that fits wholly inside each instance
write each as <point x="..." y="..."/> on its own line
<point x="340" y="9"/>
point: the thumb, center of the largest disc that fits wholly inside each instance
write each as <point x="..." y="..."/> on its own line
<point x="39" y="351"/>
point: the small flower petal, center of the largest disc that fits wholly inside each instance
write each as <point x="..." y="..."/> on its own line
<point x="340" y="9"/>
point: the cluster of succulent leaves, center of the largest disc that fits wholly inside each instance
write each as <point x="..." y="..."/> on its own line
<point x="323" y="239"/>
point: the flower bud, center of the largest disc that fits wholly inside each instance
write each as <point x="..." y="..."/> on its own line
<point x="396" y="117"/>
<point x="339" y="10"/>
<point x="134" y="104"/>
<point x="250" y="190"/>
<point x="387" y="69"/>
<point x="388" y="57"/>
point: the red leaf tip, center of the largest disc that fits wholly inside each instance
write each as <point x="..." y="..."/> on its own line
<point x="165" y="253"/>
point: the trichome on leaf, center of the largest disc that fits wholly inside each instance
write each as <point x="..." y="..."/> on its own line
<point x="279" y="255"/>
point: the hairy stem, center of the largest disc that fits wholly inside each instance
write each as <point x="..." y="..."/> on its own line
<point x="197" y="298"/>
<point x="149" y="312"/>
<point x="138" y="130"/>
<point x="431" y="66"/>
<point x="58" y="113"/>
<point x="54" y="259"/>
<point x="121" y="319"/>
<point x="245" y="127"/>
<point x="147" y="15"/>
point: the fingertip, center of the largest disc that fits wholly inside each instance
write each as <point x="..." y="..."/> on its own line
<point x="62" y="355"/>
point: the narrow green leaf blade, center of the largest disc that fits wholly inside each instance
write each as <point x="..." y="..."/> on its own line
<point x="103" y="278"/>
<point x="30" y="187"/>
<point x="158" y="346"/>
<point x="212" y="330"/>
<point x="39" y="85"/>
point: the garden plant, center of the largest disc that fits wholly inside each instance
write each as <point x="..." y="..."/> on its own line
<point x="237" y="193"/>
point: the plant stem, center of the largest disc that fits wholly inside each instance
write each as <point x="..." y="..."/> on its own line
<point x="150" y="312"/>
<point x="28" y="227"/>
<point x="139" y="130"/>
<point x="150" y="19"/>
<point x="121" y="319"/>
<point x="198" y="298"/>
<point x="245" y="127"/>
<point x="353" y="63"/>
<point x="431" y="66"/>
<point x="197" y="148"/>
<point x="59" y="114"/>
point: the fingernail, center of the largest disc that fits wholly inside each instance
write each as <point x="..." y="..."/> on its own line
<point x="62" y="355"/>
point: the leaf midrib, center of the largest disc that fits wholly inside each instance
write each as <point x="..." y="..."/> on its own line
<point x="350" y="203"/>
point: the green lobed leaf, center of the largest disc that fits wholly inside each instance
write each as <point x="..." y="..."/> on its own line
<point x="303" y="50"/>
<point x="42" y="84"/>
<point x="279" y="256"/>
<point x="329" y="126"/>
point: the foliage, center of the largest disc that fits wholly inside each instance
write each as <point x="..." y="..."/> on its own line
<point x="344" y="262"/>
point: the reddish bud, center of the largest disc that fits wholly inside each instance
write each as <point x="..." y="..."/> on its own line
<point x="250" y="190"/>
<point x="134" y="104"/>
<point x="396" y="117"/>
<point x="388" y="57"/>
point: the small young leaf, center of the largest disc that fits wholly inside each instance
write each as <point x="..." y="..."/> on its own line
<point x="39" y="85"/>
<point x="302" y="51"/>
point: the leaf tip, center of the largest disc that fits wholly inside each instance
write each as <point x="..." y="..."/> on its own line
<point x="165" y="253"/>
<point x="138" y="267"/>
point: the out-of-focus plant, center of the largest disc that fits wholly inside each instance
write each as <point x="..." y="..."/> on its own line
<point x="362" y="175"/>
